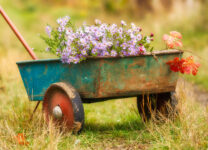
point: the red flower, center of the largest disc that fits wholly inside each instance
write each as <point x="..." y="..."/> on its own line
<point x="184" y="65"/>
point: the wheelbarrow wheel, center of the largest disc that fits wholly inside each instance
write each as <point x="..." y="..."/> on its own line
<point x="161" y="105"/>
<point x="63" y="105"/>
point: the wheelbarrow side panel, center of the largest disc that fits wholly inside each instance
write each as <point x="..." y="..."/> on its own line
<point x="136" y="75"/>
<point x="103" y="78"/>
<point x="40" y="74"/>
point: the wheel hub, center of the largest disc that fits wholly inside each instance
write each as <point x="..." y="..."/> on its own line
<point x="57" y="112"/>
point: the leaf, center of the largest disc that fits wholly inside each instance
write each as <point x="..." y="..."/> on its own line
<point x="190" y="66"/>
<point x="176" y="34"/>
<point x="21" y="140"/>
<point x="151" y="49"/>
<point x="173" y="40"/>
<point x="178" y="43"/>
<point x="165" y="37"/>
<point x="187" y="65"/>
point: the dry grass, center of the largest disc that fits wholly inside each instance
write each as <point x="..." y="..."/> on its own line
<point x="189" y="130"/>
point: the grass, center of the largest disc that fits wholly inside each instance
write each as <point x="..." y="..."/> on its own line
<point x="113" y="124"/>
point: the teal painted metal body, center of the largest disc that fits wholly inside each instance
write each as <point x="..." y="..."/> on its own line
<point x="102" y="78"/>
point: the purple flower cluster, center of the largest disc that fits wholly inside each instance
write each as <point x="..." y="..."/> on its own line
<point x="74" y="45"/>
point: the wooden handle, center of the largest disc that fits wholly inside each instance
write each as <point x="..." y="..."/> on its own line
<point x="19" y="36"/>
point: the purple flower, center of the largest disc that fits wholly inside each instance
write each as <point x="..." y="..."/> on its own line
<point x="133" y="50"/>
<point x="132" y="35"/>
<point x="113" y="29"/>
<point x="113" y="53"/>
<point x="84" y="52"/>
<point x="109" y="44"/>
<point x="58" y="51"/>
<point x="83" y="42"/>
<point x="133" y="26"/>
<point x="148" y="39"/>
<point x="48" y="49"/>
<point x="61" y="29"/>
<point x="138" y="29"/>
<point x="120" y="30"/>
<point x="124" y="53"/>
<point x="104" y="53"/>
<point x="139" y="37"/>
<point x="124" y="45"/>
<point x="69" y="31"/>
<point x="97" y="22"/>
<point x="123" y="23"/>
<point x="94" y="51"/>
<point x="103" y="26"/>
<point x="63" y="21"/>
<point x="76" y="59"/>
<point x="48" y="30"/>
<point x="64" y="56"/>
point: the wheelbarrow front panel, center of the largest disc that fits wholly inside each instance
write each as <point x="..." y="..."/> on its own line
<point x="39" y="75"/>
<point x="100" y="78"/>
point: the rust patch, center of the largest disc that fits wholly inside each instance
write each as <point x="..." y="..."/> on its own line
<point x="98" y="86"/>
<point x="77" y="126"/>
<point x="129" y="93"/>
<point x="46" y="70"/>
<point x="137" y="64"/>
<point x="121" y="81"/>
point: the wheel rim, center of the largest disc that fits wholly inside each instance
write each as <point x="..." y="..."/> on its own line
<point x="160" y="106"/>
<point x="58" y="99"/>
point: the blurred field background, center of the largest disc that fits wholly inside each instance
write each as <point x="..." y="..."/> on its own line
<point x="112" y="124"/>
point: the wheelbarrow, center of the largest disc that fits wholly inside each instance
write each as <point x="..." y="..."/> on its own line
<point x="64" y="88"/>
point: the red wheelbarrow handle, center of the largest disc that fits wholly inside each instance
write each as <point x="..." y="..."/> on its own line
<point x="14" y="29"/>
<point x="24" y="43"/>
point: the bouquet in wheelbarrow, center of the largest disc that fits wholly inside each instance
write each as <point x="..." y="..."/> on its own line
<point x="74" y="45"/>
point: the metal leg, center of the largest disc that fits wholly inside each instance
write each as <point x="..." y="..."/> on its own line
<point x="35" y="110"/>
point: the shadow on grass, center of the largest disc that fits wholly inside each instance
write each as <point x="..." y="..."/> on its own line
<point x="130" y="125"/>
<point x="100" y="131"/>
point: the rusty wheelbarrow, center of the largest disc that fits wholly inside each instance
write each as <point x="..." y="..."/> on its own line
<point x="64" y="87"/>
